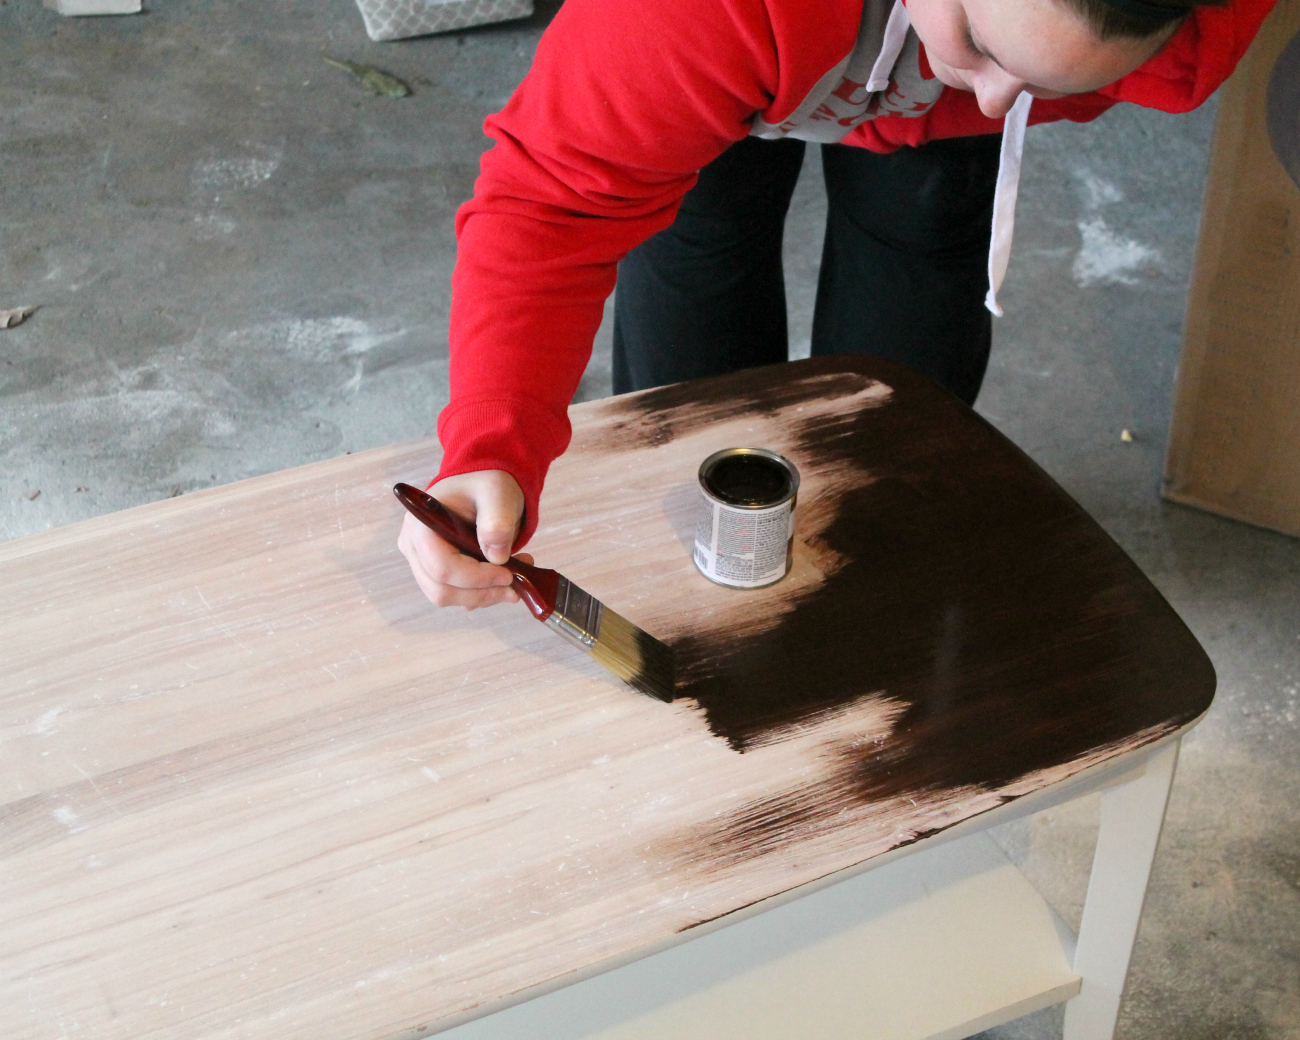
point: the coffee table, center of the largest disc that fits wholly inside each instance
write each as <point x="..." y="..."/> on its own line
<point x="256" y="786"/>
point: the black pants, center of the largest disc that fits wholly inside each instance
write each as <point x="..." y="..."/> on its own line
<point x="903" y="275"/>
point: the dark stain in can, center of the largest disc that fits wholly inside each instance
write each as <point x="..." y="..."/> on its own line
<point x="747" y="480"/>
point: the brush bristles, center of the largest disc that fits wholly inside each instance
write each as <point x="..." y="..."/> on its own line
<point x="635" y="656"/>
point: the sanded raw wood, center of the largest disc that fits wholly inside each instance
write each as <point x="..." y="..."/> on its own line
<point x="1234" y="445"/>
<point x="255" y="786"/>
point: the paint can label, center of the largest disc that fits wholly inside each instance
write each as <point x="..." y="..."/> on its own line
<point x="744" y="537"/>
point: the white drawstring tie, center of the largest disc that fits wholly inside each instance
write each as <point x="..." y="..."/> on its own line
<point x="890" y="48"/>
<point x="1004" y="197"/>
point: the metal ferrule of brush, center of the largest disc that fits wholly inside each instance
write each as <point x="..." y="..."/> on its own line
<point x="576" y="615"/>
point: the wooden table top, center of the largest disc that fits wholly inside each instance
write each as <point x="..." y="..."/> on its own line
<point x="254" y="786"/>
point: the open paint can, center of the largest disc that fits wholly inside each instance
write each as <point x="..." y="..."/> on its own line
<point x="745" y="534"/>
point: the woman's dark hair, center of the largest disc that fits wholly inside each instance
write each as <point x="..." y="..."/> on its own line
<point x="1135" y="19"/>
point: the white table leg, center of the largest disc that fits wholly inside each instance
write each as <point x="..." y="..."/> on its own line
<point x="1131" y="817"/>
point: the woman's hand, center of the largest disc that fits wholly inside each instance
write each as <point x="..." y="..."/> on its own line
<point x="491" y="500"/>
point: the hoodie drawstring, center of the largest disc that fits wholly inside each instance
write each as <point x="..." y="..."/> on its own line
<point x="1013" y="147"/>
<point x="1004" y="197"/>
<point x="890" y="48"/>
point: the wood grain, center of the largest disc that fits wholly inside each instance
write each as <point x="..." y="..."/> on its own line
<point x="1234" y="445"/>
<point x="255" y="786"/>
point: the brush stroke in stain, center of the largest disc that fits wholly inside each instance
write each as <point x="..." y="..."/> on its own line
<point x="975" y="593"/>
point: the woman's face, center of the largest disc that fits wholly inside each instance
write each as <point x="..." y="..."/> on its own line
<point x="997" y="48"/>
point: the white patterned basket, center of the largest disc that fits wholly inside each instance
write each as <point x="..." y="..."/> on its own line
<point x="397" y="19"/>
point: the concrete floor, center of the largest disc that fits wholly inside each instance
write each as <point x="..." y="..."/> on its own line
<point x="242" y="263"/>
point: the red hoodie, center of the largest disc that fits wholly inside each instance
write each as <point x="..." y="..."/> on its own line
<point x="625" y="102"/>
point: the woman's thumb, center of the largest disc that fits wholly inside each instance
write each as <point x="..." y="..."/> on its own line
<point x="499" y="509"/>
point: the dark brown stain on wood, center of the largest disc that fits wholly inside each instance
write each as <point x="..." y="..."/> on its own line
<point x="1015" y="633"/>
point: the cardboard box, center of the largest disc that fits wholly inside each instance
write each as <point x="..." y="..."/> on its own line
<point x="1234" y="448"/>
<point x="398" y="19"/>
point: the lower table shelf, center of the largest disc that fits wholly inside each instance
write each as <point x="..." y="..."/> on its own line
<point x="940" y="944"/>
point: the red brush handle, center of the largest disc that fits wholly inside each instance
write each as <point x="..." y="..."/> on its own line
<point x="537" y="586"/>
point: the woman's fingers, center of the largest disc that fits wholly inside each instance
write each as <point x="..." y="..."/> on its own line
<point x="448" y="577"/>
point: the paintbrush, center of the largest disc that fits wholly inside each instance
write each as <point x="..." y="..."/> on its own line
<point x="631" y="653"/>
